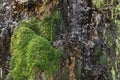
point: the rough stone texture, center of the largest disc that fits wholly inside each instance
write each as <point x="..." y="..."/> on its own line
<point x="6" y="27"/>
<point x="13" y="11"/>
<point x="84" y="34"/>
<point x="83" y="37"/>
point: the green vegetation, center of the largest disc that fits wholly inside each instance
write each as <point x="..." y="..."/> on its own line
<point x="117" y="21"/>
<point x="31" y="49"/>
<point x="98" y="3"/>
<point x="45" y="27"/>
<point x="103" y="60"/>
<point x="32" y="54"/>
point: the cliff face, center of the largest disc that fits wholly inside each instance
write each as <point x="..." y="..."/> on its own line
<point x="6" y="27"/>
<point x="86" y="35"/>
<point x="89" y="50"/>
<point x="13" y="11"/>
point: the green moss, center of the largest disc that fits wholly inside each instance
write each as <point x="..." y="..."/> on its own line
<point x="19" y="66"/>
<point x="46" y="27"/>
<point x="19" y="41"/>
<point x="20" y="38"/>
<point x="31" y="53"/>
<point x="98" y="3"/>
<point x="42" y="55"/>
<point x="31" y="49"/>
<point x="103" y="59"/>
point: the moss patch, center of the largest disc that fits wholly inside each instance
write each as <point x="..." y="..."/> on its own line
<point x="45" y="27"/>
<point x="31" y="49"/>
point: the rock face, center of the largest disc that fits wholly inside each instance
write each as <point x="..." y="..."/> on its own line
<point x="8" y="21"/>
<point x="86" y="36"/>
<point x="11" y="12"/>
<point x="85" y="42"/>
<point x="6" y="26"/>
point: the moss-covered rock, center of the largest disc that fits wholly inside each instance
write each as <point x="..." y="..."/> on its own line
<point x="45" y="27"/>
<point x="31" y="49"/>
<point x="30" y="52"/>
<point x="43" y="56"/>
<point x="20" y="38"/>
<point x="98" y="3"/>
